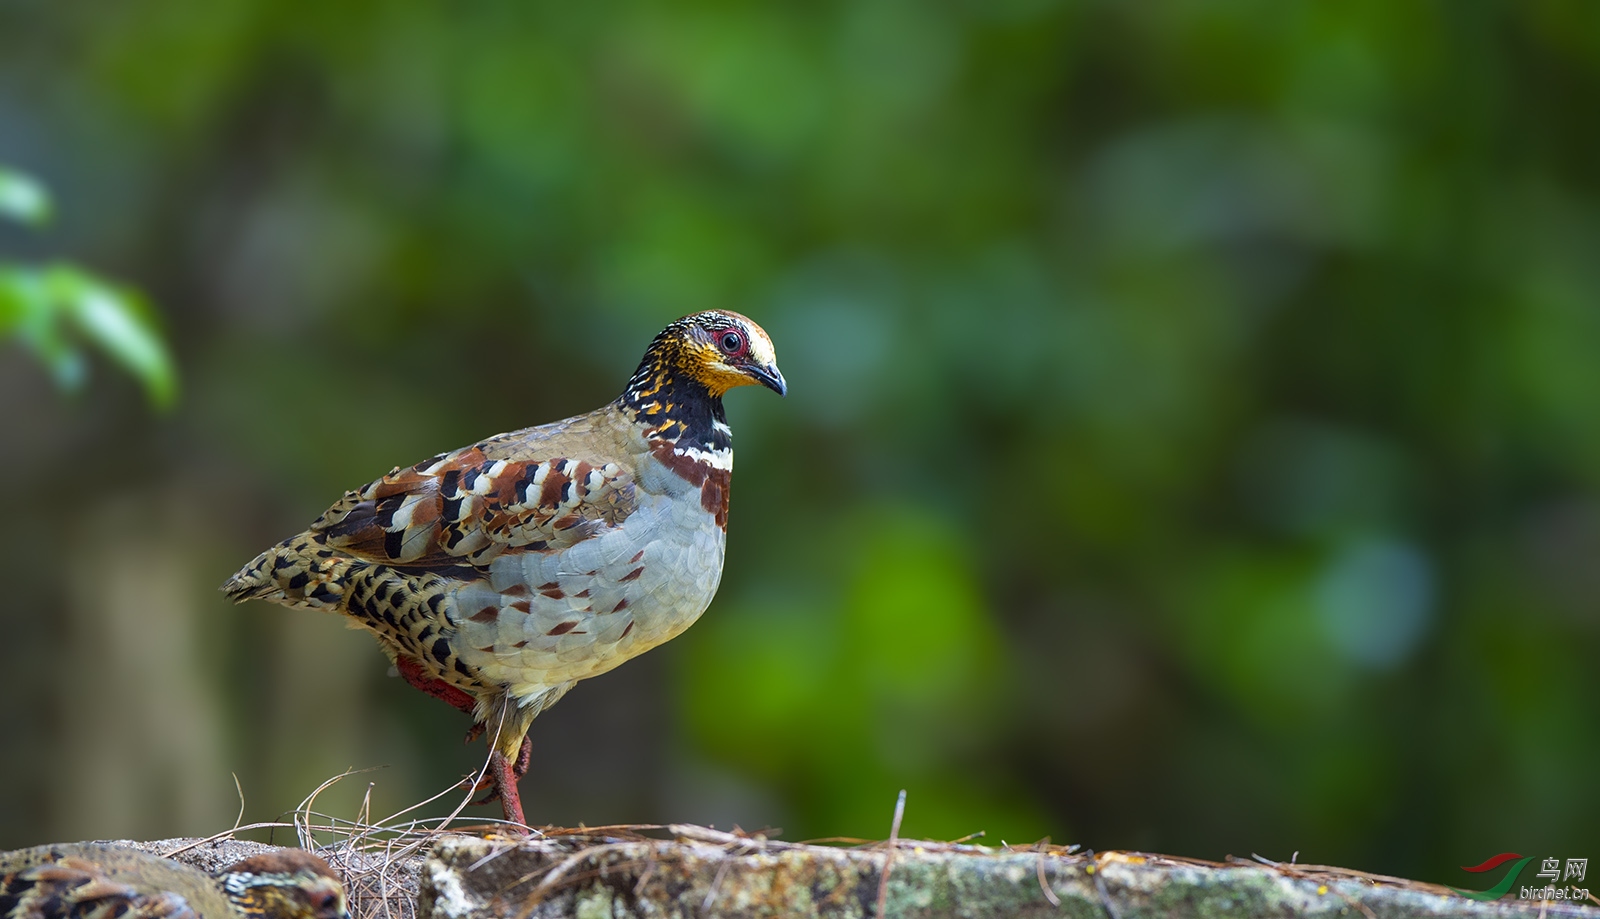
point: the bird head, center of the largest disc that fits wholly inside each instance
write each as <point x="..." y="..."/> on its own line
<point x="287" y="884"/>
<point x="718" y="349"/>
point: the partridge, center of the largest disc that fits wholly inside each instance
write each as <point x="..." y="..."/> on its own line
<point x="497" y="576"/>
<point x="91" y="881"/>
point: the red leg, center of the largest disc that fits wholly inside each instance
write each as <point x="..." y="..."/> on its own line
<point x="518" y="770"/>
<point x="505" y="782"/>
<point x="503" y="774"/>
<point x="524" y="758"/>
<point x="411" y="669"/>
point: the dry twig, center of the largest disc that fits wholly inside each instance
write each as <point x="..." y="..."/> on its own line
<point x="888" y="860"/>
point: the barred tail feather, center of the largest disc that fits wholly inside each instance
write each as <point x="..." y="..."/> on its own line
<point x="251" y="582"/>
<point x="300" y="571"/>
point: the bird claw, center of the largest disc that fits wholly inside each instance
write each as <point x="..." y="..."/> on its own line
<point x="518" y="769"/>
<point x="476" y="783"/>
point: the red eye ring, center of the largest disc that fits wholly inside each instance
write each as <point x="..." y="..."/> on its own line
<point x="731" y="342"/>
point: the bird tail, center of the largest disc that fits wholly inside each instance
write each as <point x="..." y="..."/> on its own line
<point x="300" y="571"/>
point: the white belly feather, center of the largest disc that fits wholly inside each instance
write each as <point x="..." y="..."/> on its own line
<point x="569" y="615"/>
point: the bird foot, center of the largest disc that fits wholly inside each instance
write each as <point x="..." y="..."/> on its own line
<point x="491" y="780"/>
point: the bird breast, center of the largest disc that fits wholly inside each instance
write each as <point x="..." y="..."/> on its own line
<point x="547" y="618"/>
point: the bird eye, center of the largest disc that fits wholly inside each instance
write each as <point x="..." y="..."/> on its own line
<point x="325" y="903"/>
<point x="731" y="342"/>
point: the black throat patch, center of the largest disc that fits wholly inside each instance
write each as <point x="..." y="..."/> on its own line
<point x="678" y="408"/>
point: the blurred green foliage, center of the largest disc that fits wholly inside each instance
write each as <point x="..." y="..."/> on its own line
<point x="23" y="199"/>
<point x="1191" y="441"/>
<point x="49" y="309"/>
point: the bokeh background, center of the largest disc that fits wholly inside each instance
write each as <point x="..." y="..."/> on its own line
<point x="1193" y="439"/>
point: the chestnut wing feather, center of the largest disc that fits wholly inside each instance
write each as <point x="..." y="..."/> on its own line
<point x="466" y="507"/>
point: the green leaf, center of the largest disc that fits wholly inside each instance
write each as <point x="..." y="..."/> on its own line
<point x="15" y="298"/>
<point x="29" y="311"/>
<point x="23" y="199"/>
<point x="51" y="310"/>
<point x="119" y="322"/>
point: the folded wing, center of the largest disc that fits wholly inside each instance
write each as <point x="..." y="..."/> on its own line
<point x="467" y="508"/>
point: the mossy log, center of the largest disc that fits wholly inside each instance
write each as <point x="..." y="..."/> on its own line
<point x="702" y="873"/>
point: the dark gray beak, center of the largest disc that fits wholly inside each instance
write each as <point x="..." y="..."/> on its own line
<point x="771" y="378"/>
